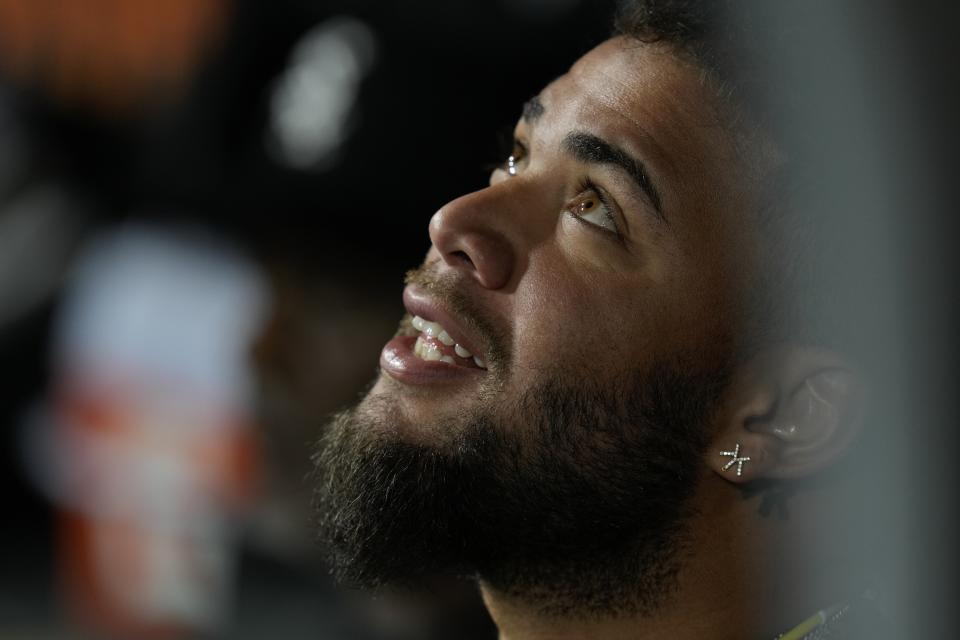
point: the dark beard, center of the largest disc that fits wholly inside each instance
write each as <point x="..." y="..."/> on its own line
<point x="584" y="514"/>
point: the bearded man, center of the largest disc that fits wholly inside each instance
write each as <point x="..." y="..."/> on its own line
<point x="597" y="397"/>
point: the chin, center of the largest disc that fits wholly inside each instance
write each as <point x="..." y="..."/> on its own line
<point x="396" y="412"/>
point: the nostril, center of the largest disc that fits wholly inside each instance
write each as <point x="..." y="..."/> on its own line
<point x="463" y="257"/>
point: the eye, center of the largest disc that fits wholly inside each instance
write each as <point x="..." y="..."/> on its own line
<point x="515" y="160"/>
<point x="591" y="206"/>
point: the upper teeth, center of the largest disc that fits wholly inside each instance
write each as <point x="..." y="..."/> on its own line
<point x="435" y="330"/>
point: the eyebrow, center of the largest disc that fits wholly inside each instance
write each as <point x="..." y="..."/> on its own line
<point x="592" y="149"/>
<point x="532" y="110"/>
<point x="588" y="148"/>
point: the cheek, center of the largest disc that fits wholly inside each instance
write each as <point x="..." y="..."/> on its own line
<point x="578" y="321"/>
<point x="693" y="322"/>
<point x="575" y="325"/>
<point x="587" y="251"/>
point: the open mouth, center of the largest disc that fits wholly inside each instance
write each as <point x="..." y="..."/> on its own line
<point x="434" y="343"/>
<point x="433" y="346"/>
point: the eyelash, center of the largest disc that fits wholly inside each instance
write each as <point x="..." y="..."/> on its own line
<point x="519" y="153"/>
<point x="585" y="185"/>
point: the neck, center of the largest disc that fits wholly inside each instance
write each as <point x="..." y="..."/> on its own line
<point x="517" y="621"/>
<point x="731" y="587"/>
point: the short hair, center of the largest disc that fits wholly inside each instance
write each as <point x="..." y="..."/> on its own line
<point x="706" y="31"/>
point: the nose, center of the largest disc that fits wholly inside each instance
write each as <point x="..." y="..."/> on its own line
<point x="472" y="234"/>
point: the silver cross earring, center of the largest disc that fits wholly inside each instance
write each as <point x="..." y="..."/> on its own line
<point x="735" y="459"/>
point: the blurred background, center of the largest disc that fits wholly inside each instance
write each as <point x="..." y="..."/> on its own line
<point x="206" y="211"/>
<point x="206" y="208"/>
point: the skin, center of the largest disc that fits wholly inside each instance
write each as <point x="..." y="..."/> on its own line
<point x="578" y="295"/>
<point x="545" y="276"/>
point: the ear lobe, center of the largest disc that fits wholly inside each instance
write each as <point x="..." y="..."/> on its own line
<point x="794" y="411"/>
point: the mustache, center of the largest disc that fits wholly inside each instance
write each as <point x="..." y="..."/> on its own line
<point x="449" y="288"/>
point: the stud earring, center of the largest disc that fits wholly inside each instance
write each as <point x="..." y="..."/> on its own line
<point x="512" y="165"/>
<point x="735" y="459"/>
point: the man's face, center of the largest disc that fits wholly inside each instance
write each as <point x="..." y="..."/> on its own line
<point x="595" y="280"/>
<point x="612" y="247"/>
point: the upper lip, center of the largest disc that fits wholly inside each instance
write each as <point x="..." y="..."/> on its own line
<point x="419" y="303"/>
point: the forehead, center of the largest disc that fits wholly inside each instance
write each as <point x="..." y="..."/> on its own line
<point x="649" y="99"/>
<point x="632" y="78"/>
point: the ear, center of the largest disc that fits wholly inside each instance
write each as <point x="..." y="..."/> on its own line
<point x="790" y="412"/>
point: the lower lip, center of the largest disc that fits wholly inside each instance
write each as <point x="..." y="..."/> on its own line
<point x="398" y="360"/>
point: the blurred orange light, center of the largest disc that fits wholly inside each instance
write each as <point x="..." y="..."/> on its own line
<point x="111" y="55"/>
